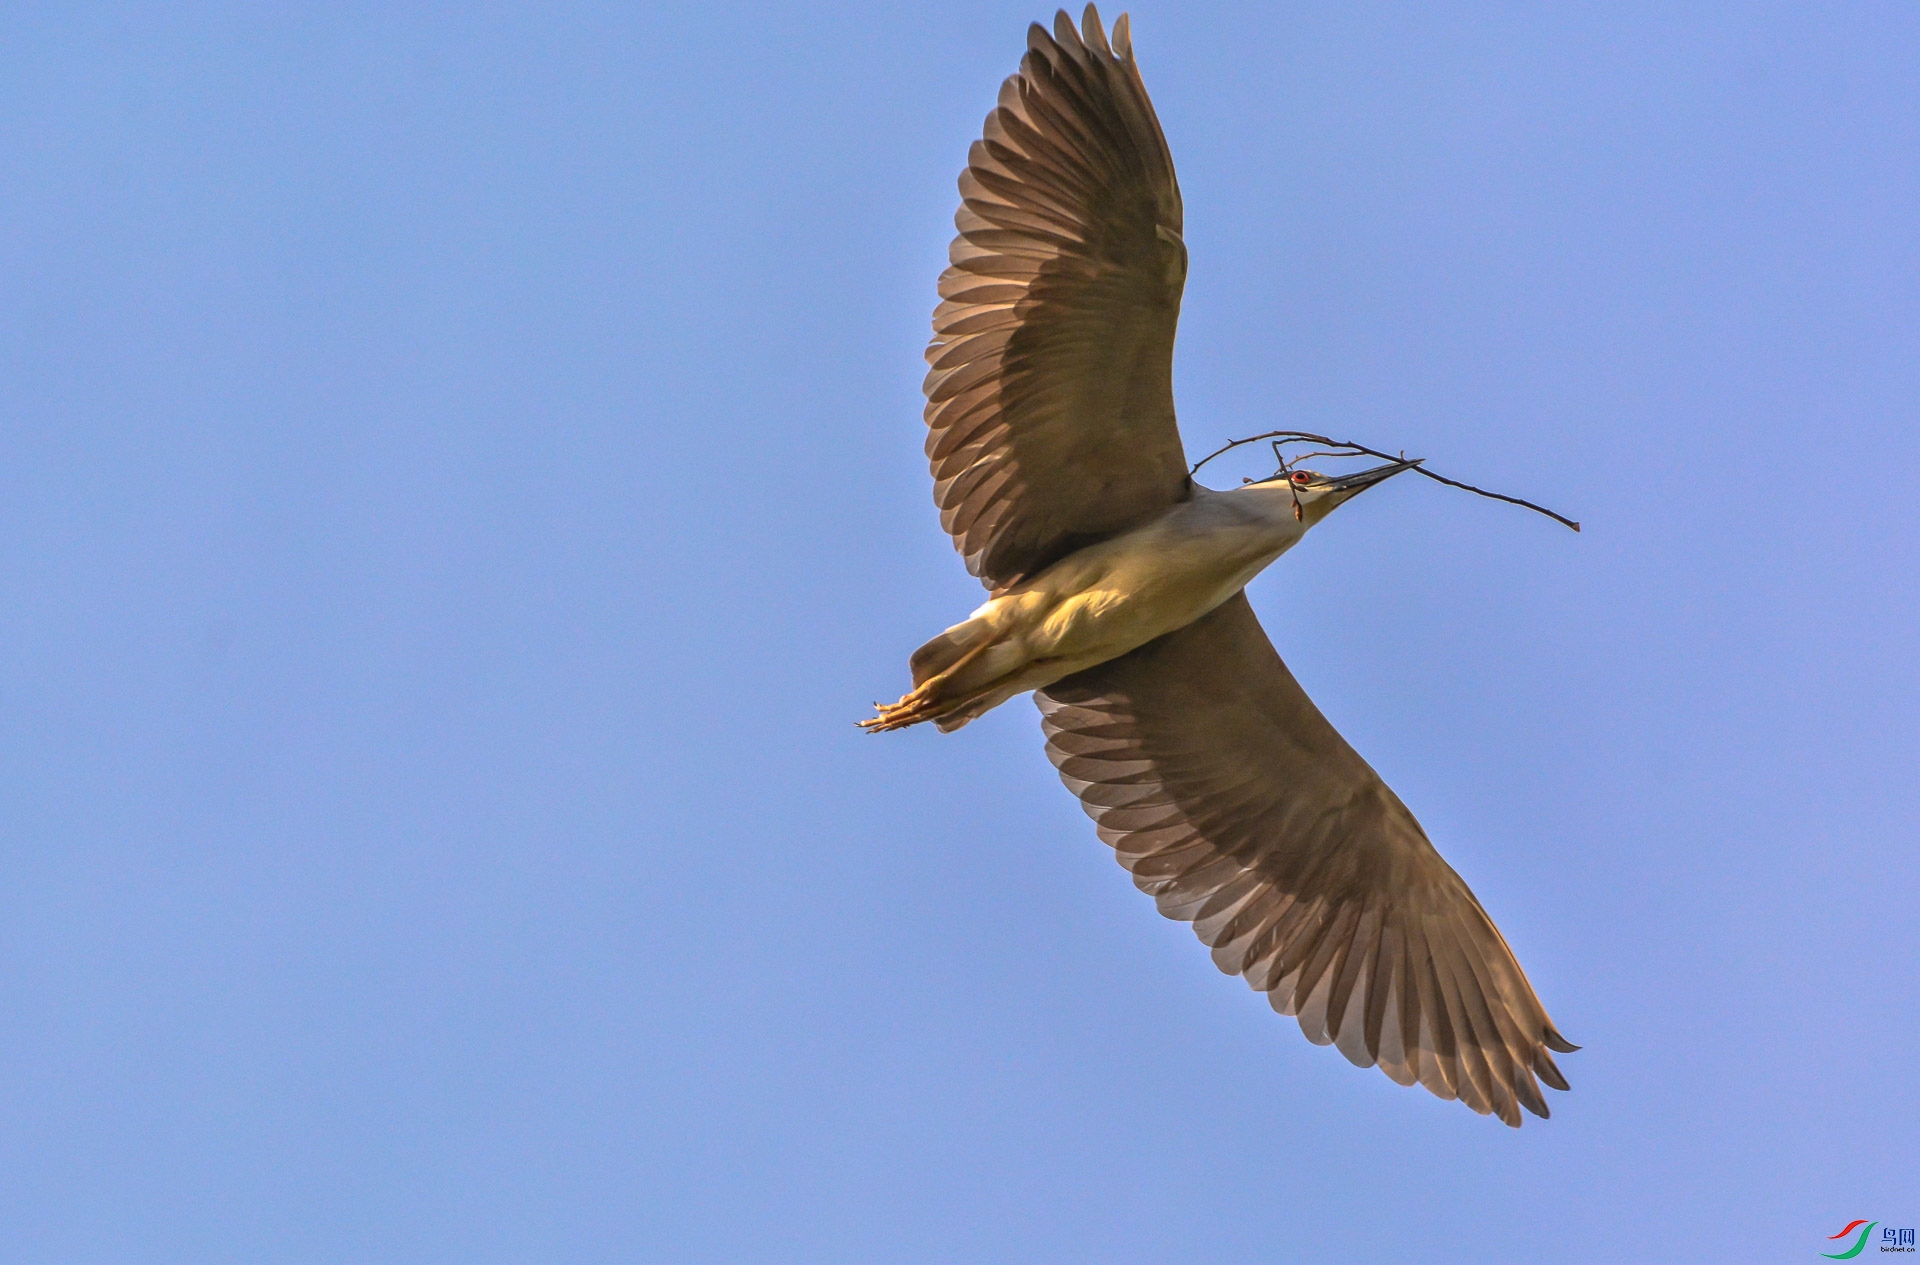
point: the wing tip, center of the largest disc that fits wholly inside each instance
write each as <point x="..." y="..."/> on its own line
<point x="1092" y="33"/>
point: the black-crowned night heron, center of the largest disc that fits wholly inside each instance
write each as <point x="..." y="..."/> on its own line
<point x="1117" y="585"/>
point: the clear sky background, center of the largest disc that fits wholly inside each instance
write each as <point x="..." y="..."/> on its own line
<point x="460" y="481"/>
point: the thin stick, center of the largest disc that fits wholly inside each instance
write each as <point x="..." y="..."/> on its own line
<point x="1354" y="450"/>
<point x="1497" y="496"/>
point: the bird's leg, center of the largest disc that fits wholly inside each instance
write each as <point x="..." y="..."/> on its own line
<point x="923" y="701"/>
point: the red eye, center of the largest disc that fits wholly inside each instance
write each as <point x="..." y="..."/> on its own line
<point x="1302" y="477"/>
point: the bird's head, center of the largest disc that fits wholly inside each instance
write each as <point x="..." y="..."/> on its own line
<point x="1316" y="495"/>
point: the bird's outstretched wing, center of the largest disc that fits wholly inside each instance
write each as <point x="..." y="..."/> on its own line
<point x="1050" y="400"/>
<point x="1240" y="809"/>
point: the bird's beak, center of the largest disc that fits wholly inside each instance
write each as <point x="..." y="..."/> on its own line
<point x="1350" y="485"/>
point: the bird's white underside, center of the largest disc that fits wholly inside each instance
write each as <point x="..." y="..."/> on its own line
<point x="1100" y="602"/>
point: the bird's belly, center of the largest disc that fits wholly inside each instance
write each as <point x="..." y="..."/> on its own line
<point x="1108" y="599"/>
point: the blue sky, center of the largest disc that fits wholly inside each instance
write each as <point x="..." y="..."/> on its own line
<point x="460" y="480"/>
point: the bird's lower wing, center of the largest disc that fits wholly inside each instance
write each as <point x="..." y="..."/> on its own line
<point x="1239" y="808"/>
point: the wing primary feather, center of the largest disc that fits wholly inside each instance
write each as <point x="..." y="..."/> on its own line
<point x="1091" y="33"/>
<point x="1439" y="1059"/>
<point x="1470" y="1043"/>
<point x="1548" y="1070"/>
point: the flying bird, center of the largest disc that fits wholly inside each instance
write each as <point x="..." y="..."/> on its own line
<point x="1116" y="595"/>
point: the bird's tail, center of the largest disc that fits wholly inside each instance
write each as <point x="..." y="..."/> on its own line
<point x="945" y="651"/>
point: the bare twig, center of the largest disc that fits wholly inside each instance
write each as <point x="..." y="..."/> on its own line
<point x="1347" y="449"/>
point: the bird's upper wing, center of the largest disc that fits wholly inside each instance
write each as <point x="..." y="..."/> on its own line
<point x="1050" y="400"/>
<point x="1239" y="808"/>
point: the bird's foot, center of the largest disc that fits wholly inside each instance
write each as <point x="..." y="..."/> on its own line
<point x="910" y="710"/>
